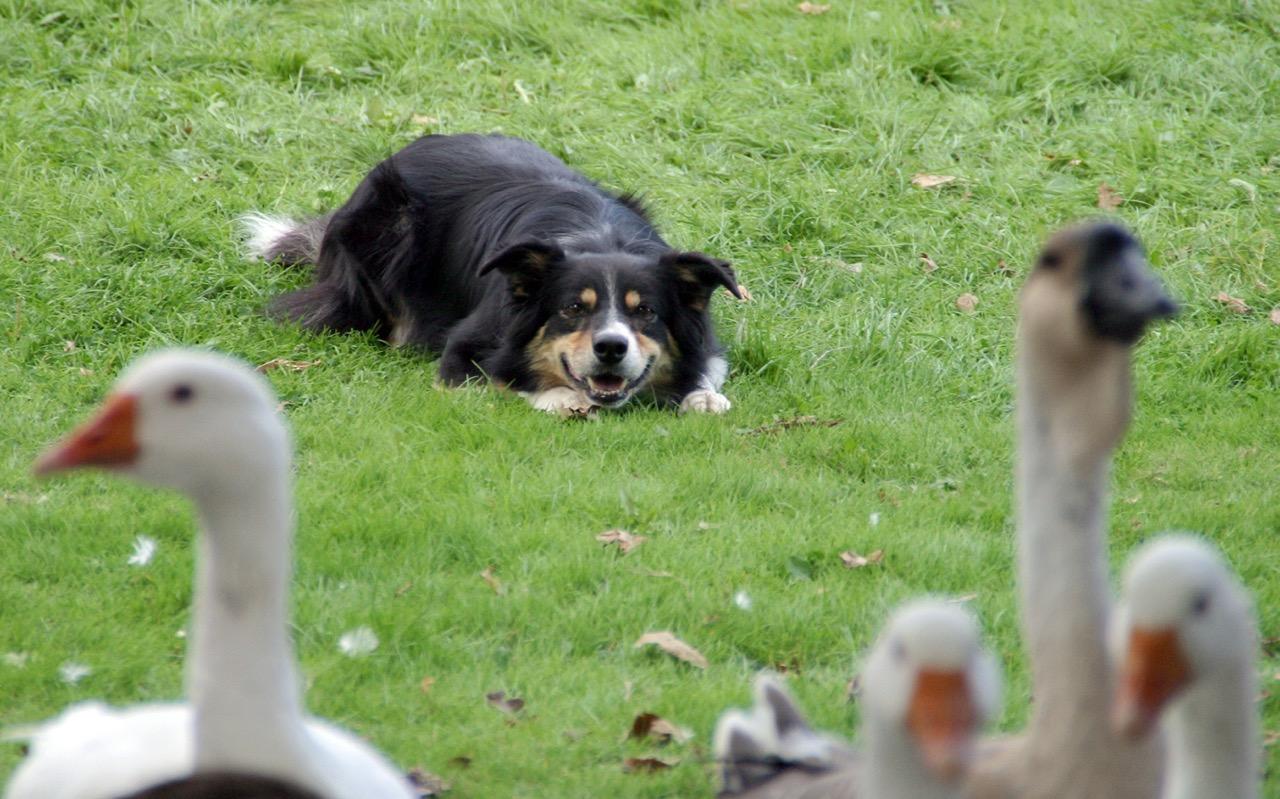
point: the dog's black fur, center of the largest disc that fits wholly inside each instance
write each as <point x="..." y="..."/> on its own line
<point x="485" y="250"/>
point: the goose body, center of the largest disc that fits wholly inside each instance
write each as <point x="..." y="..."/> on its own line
<point x="205" y="425"/>
<point x="1186" y="640"/>
<point x="928" y="687"/>
<point x="1085" y="304"/>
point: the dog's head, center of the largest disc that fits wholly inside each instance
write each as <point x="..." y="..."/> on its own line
<point x="608" y="324"/>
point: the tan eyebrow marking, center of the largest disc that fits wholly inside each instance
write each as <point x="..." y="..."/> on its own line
<point x="632" y="299"/>
<point x="588" y="297"/>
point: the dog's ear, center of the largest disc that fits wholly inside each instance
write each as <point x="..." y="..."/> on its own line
<point x="696" y="276"/>
<point x="525" y="265"/>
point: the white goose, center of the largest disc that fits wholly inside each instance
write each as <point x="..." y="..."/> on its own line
<point x="1082" y="309"/>
<point x="927" y="688"/>
<point x="1185" y="636"/>
<point x="205" y="425"/>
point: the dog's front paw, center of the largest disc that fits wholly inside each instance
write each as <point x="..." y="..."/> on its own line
<point x="704" y="400"/>
<point x="563" y="401"/>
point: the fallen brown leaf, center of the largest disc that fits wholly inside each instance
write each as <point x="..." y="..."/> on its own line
<point x="790" y="424"/>
<point x="426" y="684"/>
<point x="1234" y="304"/>
<point x="285" y="363"/>
<point x="967" y="302"/>
<point x="499" y="700"/>
<point x="426" y="784"/>
<point x="651" y="725"/>
<point x="86" y="372"/>
<point x="461" y="761"/>
<point x="812" y="8"/>
<point x="404" y="589"/>
<point x="931" y="181"/>
<point x="68" y="346"/>
<point x="1275" y="316"/>
<point x="626" y="541"/>
<point x="852" y="560"/>
<point x="1108" y="198"/>
<point x="673" y="646"/>
<point x="646" y="765"/>
<point x="424" y="120"/>
<point x="929" y="264"/>
<point x="55" y="257"/>
<point x="1004" y="269"/>
<point x="488" y="576"/>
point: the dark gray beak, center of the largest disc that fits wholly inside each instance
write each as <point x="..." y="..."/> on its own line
<point x="1121" y="293"/>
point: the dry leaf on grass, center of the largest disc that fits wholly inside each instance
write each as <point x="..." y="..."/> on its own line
<point x="426" y="685"/>
<point x="1275" y="316"/>
<point x="68" y="346"/>
<point x="967" y="302"/>
<point x="812" y="8"/>
<point x="425" y="784"/>
<point x="673" y="646"/>
<point x="929" y="264"/>
<point x="852" y="560"/>
<point x="55" y="257"/>
<point x="853" y="688"/>
<point x="285" y="363"/>
<point x="790" y="424"/>
<point x="646" y="765"/>
<point x="1108" y="198"/>
<point x="499" y="700"/>
<point x="1234" y="304"/>
<point x="1004" y="269"/>
<point x="931" y="181"/>
<point x="488" y="576"/>
<point x="404" y="589"/>
<point x="626" y="541"/>
<point x="461" y="761"/>
<point x="651" y="725"/>
<point x="1270" y="738"/>
<point x="424" y="120"/>
<point x="86" y="372"/>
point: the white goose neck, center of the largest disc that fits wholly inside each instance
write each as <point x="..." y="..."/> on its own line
<point x="894" y="769"/>
<point x="241" y="673"/>
<point x="1214" y="738"/>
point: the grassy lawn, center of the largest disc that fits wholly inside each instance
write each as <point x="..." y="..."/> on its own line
<point x="132" y="134"/>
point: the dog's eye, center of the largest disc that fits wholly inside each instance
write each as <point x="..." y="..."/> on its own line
<point x="573" y="310"/>
<point x="643" y="311"/>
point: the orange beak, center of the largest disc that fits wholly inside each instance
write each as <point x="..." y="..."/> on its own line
<point x="1154" y="671"/>
<point x="105" y="440"/>
<point x="943" y="721"/>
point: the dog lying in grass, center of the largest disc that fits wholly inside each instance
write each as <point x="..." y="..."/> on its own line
<point x="495" y="255"/>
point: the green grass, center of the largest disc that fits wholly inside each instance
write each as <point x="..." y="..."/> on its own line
<point x="133" y="133"/>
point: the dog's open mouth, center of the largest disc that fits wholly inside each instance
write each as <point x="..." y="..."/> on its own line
<point x="606" y="388"/>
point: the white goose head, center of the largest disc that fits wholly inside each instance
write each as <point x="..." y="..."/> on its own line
<point x="1183" y="617"/>
<point x="194" y="421"/>
<point x="929" y="677"/>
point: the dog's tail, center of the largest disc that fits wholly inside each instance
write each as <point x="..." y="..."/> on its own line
<point x="282" y="240"/>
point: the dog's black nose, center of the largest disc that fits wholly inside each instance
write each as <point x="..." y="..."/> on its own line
<point x="609" y="348"/>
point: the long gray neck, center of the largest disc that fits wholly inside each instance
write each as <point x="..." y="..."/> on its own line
<point x="241" y="676"/>
<point x="1214" y="738"/>
<point x="1068" y="423"/>
<point x="1071" y="415"/>
<point x="894" y="768"/>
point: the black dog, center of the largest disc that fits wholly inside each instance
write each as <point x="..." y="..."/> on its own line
<point x="512" y="267"/>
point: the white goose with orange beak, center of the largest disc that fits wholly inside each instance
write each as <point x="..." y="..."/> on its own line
<point x="206" y="425"/>
<point x="928" y="688"/>
<point x="1185" y="638"/>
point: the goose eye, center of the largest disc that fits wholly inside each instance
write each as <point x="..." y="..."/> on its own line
<point x="1200" y="604"/>
<point x="181" y="394"/>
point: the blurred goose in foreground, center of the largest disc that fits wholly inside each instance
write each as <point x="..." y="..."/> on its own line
<point x="206" y="425"/>
<point x="1186" y="640"/>
<point x="1084" y="306"/>
<point x="927" y="689"/>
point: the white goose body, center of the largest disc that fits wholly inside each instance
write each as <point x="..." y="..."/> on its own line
<point x="1186" y="640"/>
<point x="206" y="426"/>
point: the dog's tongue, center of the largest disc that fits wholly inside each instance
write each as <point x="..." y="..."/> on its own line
<point x="606" y="383"/>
